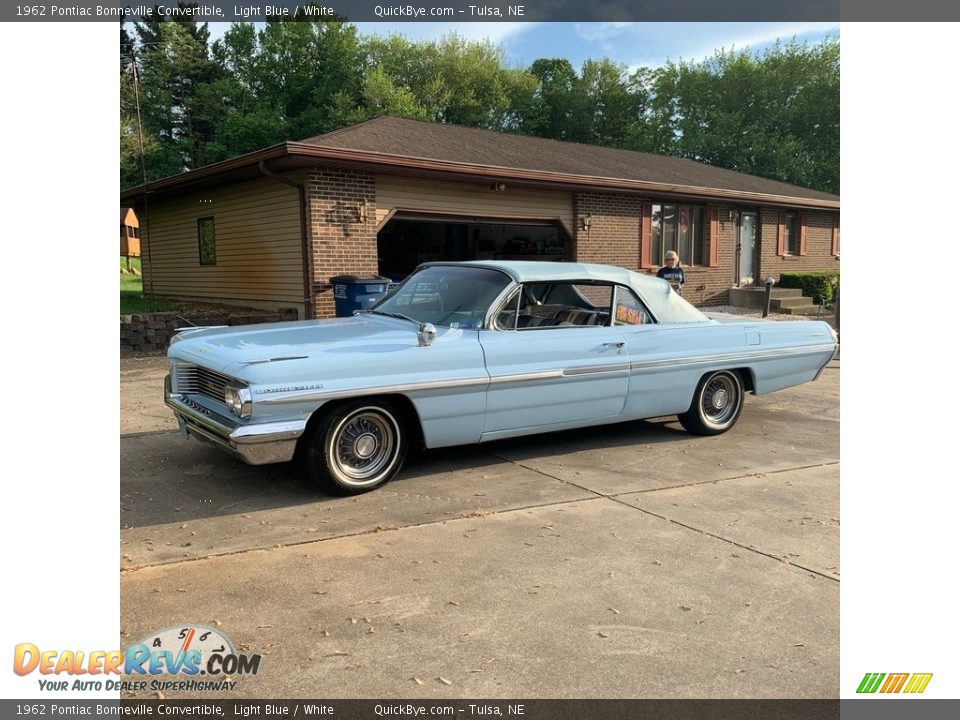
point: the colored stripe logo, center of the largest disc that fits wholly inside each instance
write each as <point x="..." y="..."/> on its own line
<point x="894" y="682"/>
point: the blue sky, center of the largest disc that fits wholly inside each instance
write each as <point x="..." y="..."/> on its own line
<point x="633" y="44"/>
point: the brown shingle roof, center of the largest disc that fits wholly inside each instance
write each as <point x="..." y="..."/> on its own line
<point x="401" y="137"/>
<point x="422" y="149"/>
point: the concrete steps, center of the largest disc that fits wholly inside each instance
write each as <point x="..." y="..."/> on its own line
<point x="807" y="309"/>
<point x="793" y="305"/>
<point x="788" y="301"/>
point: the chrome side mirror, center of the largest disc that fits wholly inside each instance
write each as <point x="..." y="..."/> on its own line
<point x="426" y="335"/>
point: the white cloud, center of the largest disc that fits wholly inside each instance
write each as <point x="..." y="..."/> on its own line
<point x="651" y="44"/>
<point x="604" y="31"/>
<point x="495" y="32"/>
<point x="741" y="38"/>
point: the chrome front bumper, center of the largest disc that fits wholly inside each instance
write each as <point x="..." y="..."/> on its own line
<point x="258" y="444"/>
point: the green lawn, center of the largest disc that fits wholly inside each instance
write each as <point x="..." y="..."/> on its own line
<point x="131" y="294"/>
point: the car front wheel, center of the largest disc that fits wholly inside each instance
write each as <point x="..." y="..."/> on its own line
<point x="357" y="447"/>
<point x="716" y="404"/>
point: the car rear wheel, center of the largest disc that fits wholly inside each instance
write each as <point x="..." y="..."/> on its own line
<point x="357" y="447"/>
<point x="716" y="404"/>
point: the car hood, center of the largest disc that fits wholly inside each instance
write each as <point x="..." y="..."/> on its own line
<point x="230" y="349"/>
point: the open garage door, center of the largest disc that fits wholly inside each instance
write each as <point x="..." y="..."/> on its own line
<point x="407" y="240"/>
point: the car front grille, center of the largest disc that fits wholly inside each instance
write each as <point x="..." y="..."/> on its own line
<point x="196" y="380"/>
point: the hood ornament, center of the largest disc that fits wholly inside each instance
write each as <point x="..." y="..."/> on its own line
<point x="426" y="335"/>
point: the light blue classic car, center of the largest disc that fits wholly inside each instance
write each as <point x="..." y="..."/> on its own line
<point x="476" y="351"/>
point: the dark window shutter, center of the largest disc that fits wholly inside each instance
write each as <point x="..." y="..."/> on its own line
<point x="714" y="250"/>
<point x="803" y="235"/>
<point x="781" y="234"/>
<point x="646" y="235"/>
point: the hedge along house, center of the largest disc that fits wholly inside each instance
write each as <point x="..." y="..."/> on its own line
<point x="270" y="228"/>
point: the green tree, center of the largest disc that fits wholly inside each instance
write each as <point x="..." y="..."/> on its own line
<point x="553" y="104"/>
<point x="179" y="113"/>
<point x="131" y="170"/>
<point x="610" y="108"/>
<point x="244" y="120"/>
<point x="304" y="70"/>
<point x="776" y="115"/>
<point x="603" y="104"/>
<point x="452" y="79"/>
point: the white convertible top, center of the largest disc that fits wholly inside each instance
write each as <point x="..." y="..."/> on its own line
<point x="666" y="305"/>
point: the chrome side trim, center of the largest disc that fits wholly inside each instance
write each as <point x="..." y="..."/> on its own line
<point x="596" y="369"/>
<point x="731" y="357"/>
<point x="526" y="377"/>
<point x="313" y="396"/>
<point x="307" y="396"/>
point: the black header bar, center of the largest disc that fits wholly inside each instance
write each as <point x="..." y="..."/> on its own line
<point x="486" y="11"/>
<point x="474" y="709"/>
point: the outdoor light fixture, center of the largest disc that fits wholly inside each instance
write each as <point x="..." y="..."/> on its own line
<point x="498" y="187"/>
<point x="362" y="211"/>
<point x="586" y="221"/>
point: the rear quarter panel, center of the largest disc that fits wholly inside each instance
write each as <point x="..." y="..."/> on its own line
<point x="668" y="361"/>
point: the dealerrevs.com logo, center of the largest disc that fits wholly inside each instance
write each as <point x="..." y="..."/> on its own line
<point x="185" y="651"/>
<point x="894" y="682"/>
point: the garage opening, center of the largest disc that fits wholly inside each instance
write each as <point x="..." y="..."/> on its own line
<point x="408" y="240"/>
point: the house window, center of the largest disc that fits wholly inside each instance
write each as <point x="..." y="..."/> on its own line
<point x="791" y="234"/>
<point x="679" y="228"/>
<point x="206" y="238"/>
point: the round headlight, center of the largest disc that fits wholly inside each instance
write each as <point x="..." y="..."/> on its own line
<point x="238" y="400"/>
<point x="233" y="400"/>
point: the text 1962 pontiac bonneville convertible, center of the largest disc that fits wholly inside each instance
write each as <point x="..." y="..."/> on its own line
<point x="477" y="351"/>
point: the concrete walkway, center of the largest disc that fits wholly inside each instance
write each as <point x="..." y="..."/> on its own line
<point x="625" y="561"/>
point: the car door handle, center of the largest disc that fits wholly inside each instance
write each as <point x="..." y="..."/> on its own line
<point x="618" y="345"/>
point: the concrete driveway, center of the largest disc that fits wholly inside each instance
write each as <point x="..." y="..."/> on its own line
<point x="625" y="561"/>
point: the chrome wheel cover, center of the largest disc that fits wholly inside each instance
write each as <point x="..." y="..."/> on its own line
<point x="363" y="446"/>
<point x="720" y="400"/>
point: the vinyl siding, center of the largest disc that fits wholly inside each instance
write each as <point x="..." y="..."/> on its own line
<point x="258" y="246"/>
<point x="471" y="199"/>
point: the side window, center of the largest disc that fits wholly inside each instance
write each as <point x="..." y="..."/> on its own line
<point x="206" y="238"/>
<point x="629" y="310"/>
<point x="564" y="304"/>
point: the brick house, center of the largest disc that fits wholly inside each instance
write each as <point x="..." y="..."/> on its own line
<point x="270" y="228"/>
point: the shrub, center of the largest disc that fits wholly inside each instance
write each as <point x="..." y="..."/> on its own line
<point x="816" y="285"/>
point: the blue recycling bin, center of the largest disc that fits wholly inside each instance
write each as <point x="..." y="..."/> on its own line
<point x="357" y="292"/>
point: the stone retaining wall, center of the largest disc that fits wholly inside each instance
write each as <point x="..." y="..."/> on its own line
<point x="151" y="332"/>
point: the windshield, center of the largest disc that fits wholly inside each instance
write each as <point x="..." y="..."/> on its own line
<point x="446" y="295"/>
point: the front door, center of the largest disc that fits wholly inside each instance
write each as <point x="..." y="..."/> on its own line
<point x="548" y="377"/>
<point x="555" y="359"/>
<point x="746" y="249"/>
